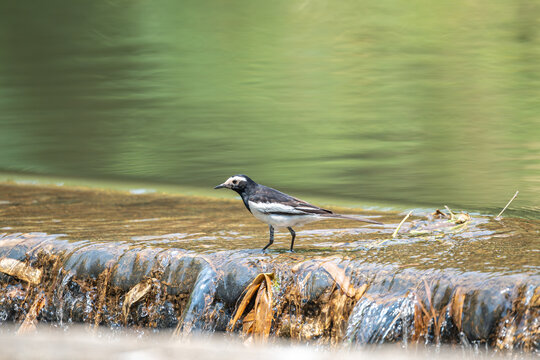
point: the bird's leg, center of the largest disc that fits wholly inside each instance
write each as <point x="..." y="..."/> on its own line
<point x="293" y="236"/>
<point x="271" y="237"/>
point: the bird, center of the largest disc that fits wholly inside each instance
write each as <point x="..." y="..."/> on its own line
<point x="278" y="209"/>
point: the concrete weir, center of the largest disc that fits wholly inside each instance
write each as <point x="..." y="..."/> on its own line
<point x="152" y="263"/>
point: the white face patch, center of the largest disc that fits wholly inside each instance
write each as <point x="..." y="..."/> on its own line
<point x="234" y="180"/>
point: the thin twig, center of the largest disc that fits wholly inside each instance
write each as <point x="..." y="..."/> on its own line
<point x="512" y="199"/>
<point x="401" y="223"/>
<point x="450" y="211"/>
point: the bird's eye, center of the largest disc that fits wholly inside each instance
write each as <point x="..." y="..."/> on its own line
<point x="235" y="182"/>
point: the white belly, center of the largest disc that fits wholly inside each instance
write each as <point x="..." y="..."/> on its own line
<point x="283" y="221"/>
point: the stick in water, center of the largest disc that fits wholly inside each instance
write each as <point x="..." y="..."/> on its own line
<point x="401" y="223"/>
<point x="512" y="199"/>
<point x="450" y="211"/>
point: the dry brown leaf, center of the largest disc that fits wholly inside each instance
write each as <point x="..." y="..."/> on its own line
<point x="247" y="323"/>
<point x="456" y="307"/>
<point x="535" y="299"/>
<point x="339" y="276"/>
<point x="259" y="320"/>
<point x="103" y="283"/>
<point x="425" y="314"/>
<point x="29" y="323"/>
<point x="263" y="309"/>
<point x="135" y="294"/>
<point x="20" y="270"/>
<point x="421" y="305"/>
<point x="428" y="294"/>
<point x="344" y="282"/>
<point x="420" y="316"/>
<point x="437" y="319"/>
<point x="250" y="290"/>
<point x="438" y="322"/>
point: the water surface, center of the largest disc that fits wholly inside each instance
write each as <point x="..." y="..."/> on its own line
<point x="211" y="226"/>
<point x="408" y="104"/>
<point x="347" y="283"/>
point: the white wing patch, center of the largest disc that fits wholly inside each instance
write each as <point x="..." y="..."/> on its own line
<point x="267" y="208"/>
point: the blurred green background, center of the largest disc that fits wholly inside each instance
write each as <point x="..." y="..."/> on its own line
<point x="407" y="103"/>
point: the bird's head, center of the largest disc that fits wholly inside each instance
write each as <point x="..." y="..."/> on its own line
<point x="236" y="182"/>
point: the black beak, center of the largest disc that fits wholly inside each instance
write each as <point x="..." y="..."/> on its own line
<point x="220" y="186"/>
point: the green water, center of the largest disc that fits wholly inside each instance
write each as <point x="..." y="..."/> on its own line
<point x="403" y="103"/>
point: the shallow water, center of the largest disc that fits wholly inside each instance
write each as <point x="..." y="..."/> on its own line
<point x="411" y="104"/>
<point x="476" y="285"/>
<point x="207" y="225"/>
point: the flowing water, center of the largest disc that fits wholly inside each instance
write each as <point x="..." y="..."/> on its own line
<point x="161" y="262"/>
<point x="410" y="104"/>
<point x="374" y="105"/>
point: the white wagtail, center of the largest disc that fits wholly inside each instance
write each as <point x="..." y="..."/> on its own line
<point x="278" y="209"/>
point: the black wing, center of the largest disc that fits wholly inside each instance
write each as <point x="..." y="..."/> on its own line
<point x="267" y="195"/>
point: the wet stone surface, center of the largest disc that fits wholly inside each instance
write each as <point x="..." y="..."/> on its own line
<point x="186" y="264"/>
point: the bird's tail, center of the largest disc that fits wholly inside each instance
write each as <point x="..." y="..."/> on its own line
<point x="352" y="217"/>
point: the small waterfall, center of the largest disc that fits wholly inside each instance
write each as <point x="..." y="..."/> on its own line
<point x="323" y="300"/>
